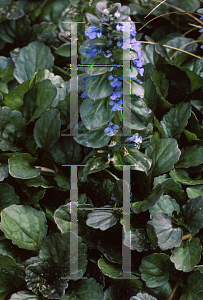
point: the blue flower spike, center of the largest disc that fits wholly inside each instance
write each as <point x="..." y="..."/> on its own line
<point x="111" y="129"/>
<point x="136" y="139"/>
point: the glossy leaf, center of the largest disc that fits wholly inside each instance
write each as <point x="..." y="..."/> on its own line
<point x="183" y="177"/>
<point x="98" y="87"/>
<point x="89" y="289"/>
<point x="95" y="114"/>
<point x="109" y="269"/>
<point x="19" y="167"/>
<point x="169" y="236"/>
<point x="164" y="154"/>
<point x="32" y="58"/>
<point x="155" y="269"/>
<point x="190" y="156"/>
<point x="176" y="119"/>
<point x="47" y="129"/>
<point x="194" y="285"/>
<point x="24" y="225"/>
<point x="11" y="274"/>
<point x="136" y="240"/>
<point x="193" y="214"/>
<point x="38" y="99"/>
<point x="187" y="255"/>
<point x="95" y="138"/>
<point x="7" y="196"/>
<point x="194" y="191"/>
<point x="150" y="201"/>
<point x="166" y="205"/>
<point x="103" y="218"/>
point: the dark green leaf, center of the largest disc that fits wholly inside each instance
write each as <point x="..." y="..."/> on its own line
<point x="176" y="119"/>
<point x="187" y="255"/>
<point x="193" y="214"/>
<point x="47" y="129"/>
<point x="194" y="285"/>
<point x="168" y="235"/>
<point x="66" y="151"/>
<point x="155" y="269"/>
<point x="19" y="167"/>
<point x="102" y="218"/>
<point x="190" y="156"/>
<point x="24" y="225"/>
<point x="64" y="50"/>
<point x="136" y="240"/>
<point x="109" y="269"/>
<point x="95" y="114"/>
<point x="144" y="205"/>
<point x="55" y="249"/>
<point x="89" y="289"/>
<point x="183" y="177"/>
<point x="7" y="196"/>
<point x="11" y="274"/>
<point x="195" y="191"/>
<point x="3" y="171"/>
<point x="164" y="154"/>
<point x="38" y="99"/>
<point x="166" y="205"/>
<point x="32" y="58"/>
<point x="98" y="87"/>
<point x="95" y="138"/>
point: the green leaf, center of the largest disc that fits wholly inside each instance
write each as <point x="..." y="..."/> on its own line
<point x="140" y="114"/>
<point x="138" y="160"/>
<point x="194" y="285"/>
<point x="100" y="59"/>
<point x="136" y="89"/>
<point x="12" y="125"/>
<point x="93" y="20"/>
<point x="14" y="99"/>
<point x="95" y="138"/>
<point x="52" y="11"/>
<point x="168" y="235"/>
<point x="3" y="171"/>
<point x="89" y="289"/>
<point x="66" y="151"/>
<point x="11" y="274"/>
<point x="98" y="87"/>
<point x="161" y="83"/>
<point x="38" y="99"/>
<point x="24" y="225"/>
<point x="62" y="181"/>
<point x="159" y="48"/>
<point x="190" y="156"/>
<point x="103" y="218"/>
<point x="55" y="249"/>
<point x="94" y="163"/>
<point x="166" y="205"/>
<point x="7" y="196"/>
<point x="47" y="129"/>
<point x="141" y="296"/>
<point x="187" y="255"/>
<point x="176" y="119"/>
<point x="109" y="269"/>
<point x="195" y="191"/>
<point x="24" y="295"/>
<point x="183" y="177"/>
<point x="164" y="154"/>
<point x="32" y="58"/>
<point x="95" y="114"/>
<point x="193" y="214"/>
<point x="144" y="205"/>
<point x="19" y="167"/>
<point x="136" y="240"/>
<point x="64" y="50"/>
<point x="44" y="277"/>
<point x="155" y="269"/>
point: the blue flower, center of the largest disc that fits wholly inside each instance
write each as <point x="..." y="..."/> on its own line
<point x="117" y="93"/>
<point x="115" y="80"/>
<point x="107" y="53"/>
<point x="94" y="50"/>
<point x="84" y="80"/>
<point x="93" y="32"/>
<point x="111" y="129"/>
<point x="135" y="138"/>
<point x="138" y="63"/>
<point x="116" y="104"/>
<point x="84" y="95"/>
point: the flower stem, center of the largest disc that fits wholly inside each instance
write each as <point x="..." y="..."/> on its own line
<point x="116" y="121"/>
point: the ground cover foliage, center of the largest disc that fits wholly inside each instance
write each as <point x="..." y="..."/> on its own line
<point x="162" y="55"/>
